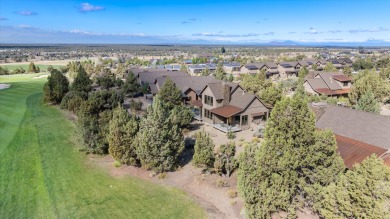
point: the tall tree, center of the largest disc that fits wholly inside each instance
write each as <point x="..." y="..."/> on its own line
<point x="55" y="88"/>
<point x="131" y="86"/>
<point x="369" y="80"/>
<point x="170" y="95"/>
<point x="363" y="192"/>
<point x="159" y="141"/>
<point x="122" y="131"/>
<point x="219" y="72"/>
<point x="271" y="94"/>
<point x="293" y="160"/>
<point x="368" y="103"/>
<point x="223" y="50"/>
<point x="32" y="68"/>
<point x="82" y="82"/>
<point x="204" y="150"/>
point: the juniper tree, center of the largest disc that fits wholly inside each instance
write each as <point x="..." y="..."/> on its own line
<point x="368" y="103"/>
<point x="204" y="150"/>
<point x="159" y="140"/>
<point x="32" y="68"/>
<point x="170" y="95"/>
<point x="363" y="192"/>
<point x="292" y="159"/>
<point x="329" y="67"/>
<point x="55" y="88"/>
<point x="122" y="131"/>
<point x="224" y="160"/>
<point x="131" y="86"/>
<point x="82" y="82"/>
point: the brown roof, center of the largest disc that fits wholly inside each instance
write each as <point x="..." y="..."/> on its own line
<point x="353" y="151"/>
<point x="342" y="78"/>
<point x="328" y="79"/>
<point x="197" y="103"/>
<point x="327" y="91"/>
<point x="362" y="126"/>
<point x="226" y="111"/>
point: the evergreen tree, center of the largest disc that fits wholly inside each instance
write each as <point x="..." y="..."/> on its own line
<point x="230" y="78"/>
<point x="329" y="67"/>
<point x="303" y="72"/>
<point x="170" y="95"/>
<point x="314" y="67"/>
<point x="206" y="72"/>
<point x="122" y="131"/>
<point x="131" y="86"/>
<point x="55" y="88"/>
<point x="363" y="192"/>
<point x="291" y="163"/>
<point x="223" y="50"/>
<point x="271" y="94"/>
<point x="347" y="71"/>
<point x="32" y="68"/>
<point x="368" y="103"/>
<point x="82" y="82"/>
<point x="181" y="116"/>
<point x="369" y="80"/>
<point x="204" y="147"/>
<point x="159" y="141"/>
<point x="225" y="162"/>
<point x="219" y="73"/>
<point x="73" y="100"/>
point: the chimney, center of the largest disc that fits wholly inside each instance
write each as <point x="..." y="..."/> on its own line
<point x="226" y="93"/>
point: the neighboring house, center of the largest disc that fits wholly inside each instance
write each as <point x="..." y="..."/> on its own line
<point x="199" y="68"/>
<point x="321" y="64"/>
<point x="226" y="106"/>
<point x="173" y="67"/>
<point x="289" y="69"/>
<point x="271" y="69"/>
<point x="231" y="67"/>
<point x="149" y="75"/>
<point x="307" y="63"/>
<point x="336" y="63"/>
<point x="359" y="134"/>
<point x="328" y="83"/>
<point x="346" y="62"/>
<point x="251" y="68"/>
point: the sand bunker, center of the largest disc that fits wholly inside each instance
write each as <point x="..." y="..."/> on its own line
<point x="4" y="86"/>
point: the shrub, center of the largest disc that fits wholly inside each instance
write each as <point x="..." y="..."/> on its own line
<point x="221" y="183"/>
<point x="231" y="135"/>
<point x="232" y="193"/>
<point x="117" y="164"/>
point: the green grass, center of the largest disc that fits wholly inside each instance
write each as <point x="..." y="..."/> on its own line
<point x="44" y="175"/>
<point x="25" y="66"/>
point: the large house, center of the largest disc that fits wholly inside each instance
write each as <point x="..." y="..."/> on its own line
<point x="147" y="76"/>
<point x="328" y="83"/>
<point x="289" y="69"/>
<point x="359" y="134"/>
<point x="227" y="107"/>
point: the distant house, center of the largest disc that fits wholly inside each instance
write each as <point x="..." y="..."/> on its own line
<point x="289" y="69"/>
<point x="251" y="68"/>
<point x="321" y="63"/>
<point x="346" y="62"/>
<point x="270" y="68"/>
<point x="226" y="106"/>
<point x="307" y="63"/>
<point x="172" y="67"/>
<point x="359" y="134"/>
<point x="328" y="83"/>
<point x="199" y="68"/>
<point x="336" y="63"/>
<point x="149" y="75"/>
<point x="231" y="67"/>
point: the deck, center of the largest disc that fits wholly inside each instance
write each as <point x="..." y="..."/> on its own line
<point x="226" y="128"/>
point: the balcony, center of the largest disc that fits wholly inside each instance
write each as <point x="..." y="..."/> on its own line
<point x="225" y="128"/>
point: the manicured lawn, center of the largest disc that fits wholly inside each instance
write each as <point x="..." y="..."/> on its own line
<point x="43" y="174"/>
<point x="25" y="66"/>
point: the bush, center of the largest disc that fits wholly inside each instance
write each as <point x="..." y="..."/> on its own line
<point x="117" y="164"/>
<point x="136" y="105"/>
<point x="232" y="193"/>
<point x="73" y="100"/>
<point x="221" y="183"/>
<point x="231" y="135"/>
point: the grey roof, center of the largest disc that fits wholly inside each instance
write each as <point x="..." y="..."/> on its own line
<point x="217" y="88"/>
<point x="244" y="100"/>
<point x="196" y="83"/>
<point x="288" y="64"/>
<point x="271" y="65"/>
<point x="362" y="126"/>
<point x="254" y="66"/>
<point x="151" y="76"/>
<point x="328" y="79"/>
<point x="316" y="83"/>
<point x="231" y="64"/>
<point x="153" y="88"/>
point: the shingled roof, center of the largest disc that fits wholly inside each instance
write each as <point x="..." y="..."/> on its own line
<point x="355" y="124"/>
<point x="150" y="75"/>
<point x="196" y="83"/>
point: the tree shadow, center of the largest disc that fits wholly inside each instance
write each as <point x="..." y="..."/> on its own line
<point x="188" y="152"/>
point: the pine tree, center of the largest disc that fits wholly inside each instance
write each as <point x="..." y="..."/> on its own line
<point x="271" y="94"/>
<point x="82" y="82"/>
<point x="368" y="103"/>
<point x="223" y="50"/>
<point x="347" y="71"/>
<point x="170" y="95"/>
<point x="219" y="72"/>
<point x="292" y="160"/>
<point x="159" y="141"/>
<point x="363" y="192"/>
<point x="32" y="68"/>
<point x="55" y="88"/>
<point x="303" y="72"/>
<point x="181" y="116"/>
<point x="204" y="147"/>
<point x="131" y="86"/>
<point x="225" y="162"/>
<point x="329" y="67"/>
<point x="122" y="131"/>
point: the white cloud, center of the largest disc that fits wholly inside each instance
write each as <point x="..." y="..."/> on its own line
<point x="87" y="7"/>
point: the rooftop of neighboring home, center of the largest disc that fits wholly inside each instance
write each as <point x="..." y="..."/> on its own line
<point x="231" y="64"/>
<point x="196" y="83"/>
<point x="149" y="75"/>
<point x="288" y="64"/>
<point x="358" y="134"/>
<point x="307" y="62"/>
<point x="325" y="82"/>
<point x="210" y="66"/>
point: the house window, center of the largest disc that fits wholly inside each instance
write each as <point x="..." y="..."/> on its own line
<point x="208" y="114"/>
<point x="244" y="120"/>
<point x="345" y="84"/>
<point x="208" y="100"/>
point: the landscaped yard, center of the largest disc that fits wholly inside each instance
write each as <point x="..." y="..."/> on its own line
<point x="44" y="175"/>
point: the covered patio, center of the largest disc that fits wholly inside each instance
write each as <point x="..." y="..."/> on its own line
<point x="224" y="118"/>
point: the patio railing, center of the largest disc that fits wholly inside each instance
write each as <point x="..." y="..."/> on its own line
<point x="225" y="128"/>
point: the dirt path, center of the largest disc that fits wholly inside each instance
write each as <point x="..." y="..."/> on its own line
<point x="201" y="187"/>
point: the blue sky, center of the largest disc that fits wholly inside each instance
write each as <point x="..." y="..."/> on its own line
<point x="171" y="21"/>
